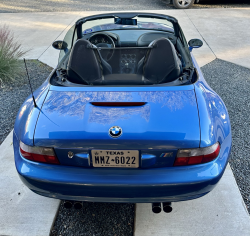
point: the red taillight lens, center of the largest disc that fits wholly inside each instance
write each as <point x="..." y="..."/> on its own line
<point x="38" y="154"/>
<point x="197" y="156"/>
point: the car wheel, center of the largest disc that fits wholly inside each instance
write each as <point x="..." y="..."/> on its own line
<point x="183" y="4"/>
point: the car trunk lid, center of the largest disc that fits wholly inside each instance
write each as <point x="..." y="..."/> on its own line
<point x="154" y="122"/>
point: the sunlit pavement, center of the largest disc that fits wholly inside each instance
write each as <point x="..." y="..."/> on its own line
<point x="224" y="32"/>
<point x="222" y="212"/>
<point x="22" y="212"/>
<point x="225" y="36"/>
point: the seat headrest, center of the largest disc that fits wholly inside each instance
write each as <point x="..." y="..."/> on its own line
<point x="161" y="64"/>
<point x="84" y="65"/>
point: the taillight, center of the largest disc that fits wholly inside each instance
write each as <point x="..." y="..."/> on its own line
<point x="38" y="154"/>
<point x="197" y="156"/>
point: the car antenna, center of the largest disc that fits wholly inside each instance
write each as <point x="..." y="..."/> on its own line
<point x="29" y="83"/>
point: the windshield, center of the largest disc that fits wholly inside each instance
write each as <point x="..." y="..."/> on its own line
<point x="142" y="23"/>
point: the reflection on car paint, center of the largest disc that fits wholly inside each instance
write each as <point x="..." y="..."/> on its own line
<point x="73" y="103"/>
<point x="215" y="116"/>
<point x="109" y="115"/>
<point x="174" y="100"/>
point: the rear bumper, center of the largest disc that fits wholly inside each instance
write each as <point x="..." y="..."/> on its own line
<point x="122" y="185"/>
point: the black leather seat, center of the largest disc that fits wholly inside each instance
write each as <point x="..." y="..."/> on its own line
<point x="161" y="64"/>
<point x="86" y="64"/>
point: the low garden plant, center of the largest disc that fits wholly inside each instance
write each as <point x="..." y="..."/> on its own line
<point x="10" y="53"/>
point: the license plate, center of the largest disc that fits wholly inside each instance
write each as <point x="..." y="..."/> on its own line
<point x="113" y="158"/>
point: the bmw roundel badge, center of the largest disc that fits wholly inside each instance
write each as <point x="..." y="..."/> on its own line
<point x="115" y="131"/>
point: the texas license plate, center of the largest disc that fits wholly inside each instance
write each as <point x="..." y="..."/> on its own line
<point x="113" y="158"/>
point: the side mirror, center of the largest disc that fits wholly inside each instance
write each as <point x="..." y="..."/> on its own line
<point x="60" y="45"/>
<point x="194" y="43"/>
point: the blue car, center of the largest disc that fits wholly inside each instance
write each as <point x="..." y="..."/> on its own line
<point x="125" y="117"/>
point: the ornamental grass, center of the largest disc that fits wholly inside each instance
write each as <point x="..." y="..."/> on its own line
<point x="10" y="53"/>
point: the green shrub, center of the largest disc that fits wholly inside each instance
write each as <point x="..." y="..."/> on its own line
<point x="10" y="53"/>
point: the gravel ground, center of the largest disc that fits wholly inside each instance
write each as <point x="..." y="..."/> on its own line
<point x="95" y="219"/>
<point x="7" y="6"/>
<point x="13" y="94"/>
<point x="232" y="83"/>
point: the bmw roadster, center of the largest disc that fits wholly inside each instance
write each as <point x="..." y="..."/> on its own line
<point x="126" y="116"/>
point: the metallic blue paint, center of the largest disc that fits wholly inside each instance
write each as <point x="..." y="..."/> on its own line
<point x="177" y="117"/>
<point x="148" y="160"/>
<point x="156" y="127"/>
<point x="122" y="185"/>
<point x="214" y="118"/>
<point x="27" y="115"/>
<point x="68" y="122"/>
<point x="159" y="124"/>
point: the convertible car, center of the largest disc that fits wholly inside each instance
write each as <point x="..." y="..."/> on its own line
<point x="125" y="117"/>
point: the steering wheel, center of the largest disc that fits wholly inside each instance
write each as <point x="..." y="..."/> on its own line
<point x="101" y="40"/>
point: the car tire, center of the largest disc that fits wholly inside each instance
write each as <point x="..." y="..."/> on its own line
<point x="183" y="4"/>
